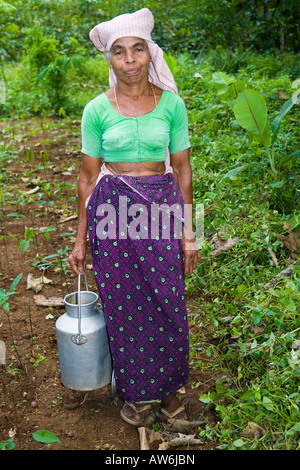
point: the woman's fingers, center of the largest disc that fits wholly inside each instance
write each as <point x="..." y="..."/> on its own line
<point x="77" y="260"/>
<point x="191" y="259"/>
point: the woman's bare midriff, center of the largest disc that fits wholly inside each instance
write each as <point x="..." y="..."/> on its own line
<point x="137" y="169"/>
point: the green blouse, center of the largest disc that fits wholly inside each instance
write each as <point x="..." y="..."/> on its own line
<point x="126" y="139"/>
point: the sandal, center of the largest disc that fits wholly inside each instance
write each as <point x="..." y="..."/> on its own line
<point x="174" y="414"/>
<point x="133" y="421"/>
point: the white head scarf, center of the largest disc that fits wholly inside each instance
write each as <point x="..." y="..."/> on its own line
<point x="139" y="24"/>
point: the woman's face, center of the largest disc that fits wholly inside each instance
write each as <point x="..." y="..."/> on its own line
<point x="130" y="59"/>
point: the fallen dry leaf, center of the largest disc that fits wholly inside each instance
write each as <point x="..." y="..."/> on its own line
<point x="165" y="440"/>
<point x="296" y="344"/>
<point x="253" y="431"/>
<point x="42" y="301"/>
<point x="183" y="426"/>
<point x="64" y="219"/>
<point x="258" y="330"/>
<point x="143" y="439"/>
<point x="283" y="94"/>
<point x="34" y="190"/>
<point x="278" y="278"/>
<point x="291" y="241"/>
<point x="221" y="246"/>
<point x="148" y="437"/>
<point x="36" y="284"/>
<point x="183" y="440"/>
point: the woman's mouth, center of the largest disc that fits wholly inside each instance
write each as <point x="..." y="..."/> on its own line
<point x="132" y="72"/>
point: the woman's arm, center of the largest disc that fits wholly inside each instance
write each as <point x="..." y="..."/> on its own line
<point x="90" y="168"/>
<point x="183" y="173"/>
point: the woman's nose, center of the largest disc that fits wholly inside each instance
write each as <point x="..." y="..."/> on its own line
<point x="129" y="57"/>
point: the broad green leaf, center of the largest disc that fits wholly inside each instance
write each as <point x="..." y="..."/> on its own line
<point x="277" y="184"/>
<point x="284" y="110"/>
<point x="251" y="111"/>
<point x="296" y="83"/>
<point x="234" y="172"/>
<point x="7" y="445"/>
<point x="295" y="154"/>
<point x="241" y="288"/>
<point x="295" y="428"/>
<point x="15" y="283"/>
<point x="268" y="404"/>
<point x="229" y="93"/>
<point x="205" y="400"/>
<point x="232" y="93"/>
<point x="45" y="436"/>
<point x="221" y="81"/>
<point x="294" y="221"/>
<point x="24" y="245"/>
<point x="15" y="214"/>
<point x="5" y="7"/>
<point x="239" y="443"/>
<point x="265" y="138"/>
<point x="256" y="317"/>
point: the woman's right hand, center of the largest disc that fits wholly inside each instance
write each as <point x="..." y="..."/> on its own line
<point x="77" y="258"/>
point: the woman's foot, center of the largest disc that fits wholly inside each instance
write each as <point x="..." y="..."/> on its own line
<point x="135" y="413"/>
<point x="172" y="409"/>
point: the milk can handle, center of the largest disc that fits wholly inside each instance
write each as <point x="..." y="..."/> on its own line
<point x="78" y="338"/>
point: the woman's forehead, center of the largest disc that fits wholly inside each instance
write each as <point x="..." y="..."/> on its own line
<point x="128" y="42"/>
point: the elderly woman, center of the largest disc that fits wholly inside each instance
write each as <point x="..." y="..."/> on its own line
<point x="139" y="127"/>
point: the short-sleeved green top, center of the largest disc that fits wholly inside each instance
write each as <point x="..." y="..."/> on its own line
<point x="126" y="139"/>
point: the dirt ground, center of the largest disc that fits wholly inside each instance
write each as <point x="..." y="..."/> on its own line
<point x="32" y="395"/>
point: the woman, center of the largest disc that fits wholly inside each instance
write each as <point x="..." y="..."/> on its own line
<point x="138" y="269"/>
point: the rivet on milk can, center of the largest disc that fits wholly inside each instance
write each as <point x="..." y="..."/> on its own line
<point x="82" y="340"/>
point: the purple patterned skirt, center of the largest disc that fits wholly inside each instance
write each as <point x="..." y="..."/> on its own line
<point x="138" y="267"/>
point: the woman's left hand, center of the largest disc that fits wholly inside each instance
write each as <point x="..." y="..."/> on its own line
<point x="191" y="255"/>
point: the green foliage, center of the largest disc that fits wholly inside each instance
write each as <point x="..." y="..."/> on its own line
<point x="7" y="445"/>
<point x="40" y="50"/>
<point x="45" y="436"/>
<point x="251" y="111"/>
<point x="5" y="296"/>
<point x="54" y="80"/>
<point x="263" y="386"/>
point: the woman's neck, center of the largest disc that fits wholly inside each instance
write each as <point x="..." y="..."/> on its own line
<point x="135" y="90"/>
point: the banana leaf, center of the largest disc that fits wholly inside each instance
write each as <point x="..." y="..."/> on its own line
<point x="227" y="87"/>
<point x="295" y="99"/>
<point x="221" y="81"/>
<point x="251" y="113"/>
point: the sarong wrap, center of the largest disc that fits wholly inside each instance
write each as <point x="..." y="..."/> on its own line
<point x="141" y="285"/>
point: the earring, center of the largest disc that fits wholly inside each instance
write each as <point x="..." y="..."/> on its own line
<point x="110" y="66"/>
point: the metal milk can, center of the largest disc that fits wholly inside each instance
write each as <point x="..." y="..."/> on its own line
<point x="83" y="348"/>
